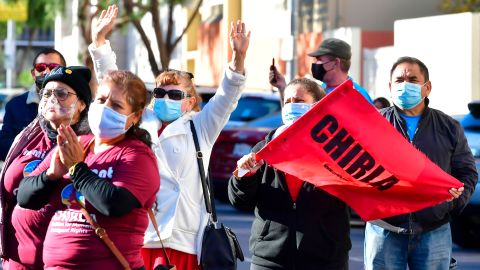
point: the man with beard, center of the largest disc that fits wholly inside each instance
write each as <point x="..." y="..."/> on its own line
<point x="331" y="65"/>
<point x="22" y="109"/>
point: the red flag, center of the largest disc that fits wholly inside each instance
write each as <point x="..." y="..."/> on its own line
<point x="344" y="146"/>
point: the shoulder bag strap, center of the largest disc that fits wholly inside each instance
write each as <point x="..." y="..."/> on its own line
<point x="99" y="231"/>
<point x="102" y="234"/>
<point x="155" y="225"/>
<point x="207" y="192"/>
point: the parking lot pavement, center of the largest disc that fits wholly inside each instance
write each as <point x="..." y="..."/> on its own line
<point x="240" y="222"/>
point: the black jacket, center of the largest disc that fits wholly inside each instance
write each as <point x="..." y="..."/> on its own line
<point x="313" y="233"/>
<point x="442" y="140"/>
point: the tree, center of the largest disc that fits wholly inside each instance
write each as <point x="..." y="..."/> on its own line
<point x="86" y="13"/>
<point x="42" y="13"/>
<point x="457" y="6"/>
<point x="165" y="40"/>
<point x="40" y="16"/>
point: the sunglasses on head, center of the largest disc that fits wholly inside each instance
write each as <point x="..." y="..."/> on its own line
<point x="181" y="72"/>
<point x="41" y="67"/>
<point x="173" y="94"/>
<point x="59" y="93"/>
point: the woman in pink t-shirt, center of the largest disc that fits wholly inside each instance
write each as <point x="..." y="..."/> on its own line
<point x="115" y="177"/>
<point x="65" y="96"/>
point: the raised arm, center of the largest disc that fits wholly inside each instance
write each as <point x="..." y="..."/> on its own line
<point x="103" y="57"/>
<point x="216" y="112"/>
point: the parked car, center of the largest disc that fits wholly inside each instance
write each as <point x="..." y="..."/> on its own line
<point x="251" y="105"/>
<point x="232" y="144"/>
<point x="466" y="227"/>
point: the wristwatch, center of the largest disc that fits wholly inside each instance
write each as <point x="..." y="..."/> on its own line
<point x="71" y="170"/>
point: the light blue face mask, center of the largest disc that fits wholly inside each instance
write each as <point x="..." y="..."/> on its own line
<point x="105" y="123"/>
<point x="407" y="95"/>
<point x="292" y="111"/>
<point x="167" y="110"/>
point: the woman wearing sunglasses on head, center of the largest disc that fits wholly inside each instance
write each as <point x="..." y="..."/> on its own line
<point x="114" y="176"/>
<point x="180" y="208"/>
<point x="65" y="100"/>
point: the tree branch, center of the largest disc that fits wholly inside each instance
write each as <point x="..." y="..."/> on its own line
<point x="190" y="21"/>
<point x="151" y="57"/>
<point x="162" y="48"/>
<point x="171" y="6"/>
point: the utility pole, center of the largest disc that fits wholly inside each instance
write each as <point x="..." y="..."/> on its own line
<point x="291" y="71"/>
<point x="10" y="48"/>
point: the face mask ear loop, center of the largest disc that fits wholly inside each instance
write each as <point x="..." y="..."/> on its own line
<point x="73" y="112"/>
<point x="133" y="124"/>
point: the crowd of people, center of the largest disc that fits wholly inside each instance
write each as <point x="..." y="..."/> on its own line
<point x="77" y="163"/>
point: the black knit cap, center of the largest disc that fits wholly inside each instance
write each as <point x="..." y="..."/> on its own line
<point x="334" y="47"/>
<point x="77" y="77"/>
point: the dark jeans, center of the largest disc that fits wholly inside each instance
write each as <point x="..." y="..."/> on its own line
<point x="317" y="267"/>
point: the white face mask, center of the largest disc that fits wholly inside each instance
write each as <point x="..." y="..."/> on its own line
<point x="105" y="123"/>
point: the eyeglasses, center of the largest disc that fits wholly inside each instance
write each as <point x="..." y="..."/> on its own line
<point x="41" y="67"/>
<point x="181" y="72"/>
<point x="59" y="93"/>
<point x="173" y="94"/>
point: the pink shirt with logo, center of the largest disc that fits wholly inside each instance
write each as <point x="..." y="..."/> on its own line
<point x="23" y="165"/>
<point x="71" y="243"/>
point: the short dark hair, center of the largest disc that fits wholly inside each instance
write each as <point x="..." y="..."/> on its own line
<point x="385" y="103"/>
<point x="344" y="63"/>
<point x="49" y="51"/>
<point x="411" y="60"/>
<point x="315" y="90"/>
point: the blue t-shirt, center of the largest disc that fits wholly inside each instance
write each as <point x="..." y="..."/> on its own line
<point x="412" y="123"/>
<point x="356" y="86"/>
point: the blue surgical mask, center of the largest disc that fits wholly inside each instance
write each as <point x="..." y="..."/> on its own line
<point x="292" y="111"/>
<point x="407" y="95"/>
<point x="167" y="110"/>
<point x="105" y="123"/>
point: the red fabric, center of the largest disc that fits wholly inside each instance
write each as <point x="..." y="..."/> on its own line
<point x="183" y="261"/>
<point x="162" y="128"/>
<point x="294" y="185"/>
<point x="344" y="146"/>
<point x="70" y="241"/>
<point x="26" y="248"/>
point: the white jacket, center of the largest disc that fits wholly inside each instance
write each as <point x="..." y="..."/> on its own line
<point x="180" y="208"/>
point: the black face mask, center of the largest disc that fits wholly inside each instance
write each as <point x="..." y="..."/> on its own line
<point x="318" y="71"/>
<point x="39" y="81"/>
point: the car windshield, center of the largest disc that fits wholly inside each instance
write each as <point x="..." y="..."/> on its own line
<point x="470" y="123"/>
<point x="272" y="121"/>
<point x="250" y="108"/>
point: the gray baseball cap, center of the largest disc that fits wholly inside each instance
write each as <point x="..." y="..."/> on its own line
<point x="335" y="47"/>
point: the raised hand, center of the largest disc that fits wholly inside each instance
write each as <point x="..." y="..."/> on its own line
<point x="277" y="79"/>
<point x="104" y="25"/>
<point x="239" y="41"/>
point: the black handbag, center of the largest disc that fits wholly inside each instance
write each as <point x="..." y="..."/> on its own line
<point x="220" y="247"/>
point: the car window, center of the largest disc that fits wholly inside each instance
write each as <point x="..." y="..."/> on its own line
<point x="272" y="121"/>
<point x="470" y="123"/>
<point x="250" y="108"/>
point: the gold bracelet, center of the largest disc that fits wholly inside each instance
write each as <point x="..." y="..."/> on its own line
<point x="72" y="168"/>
